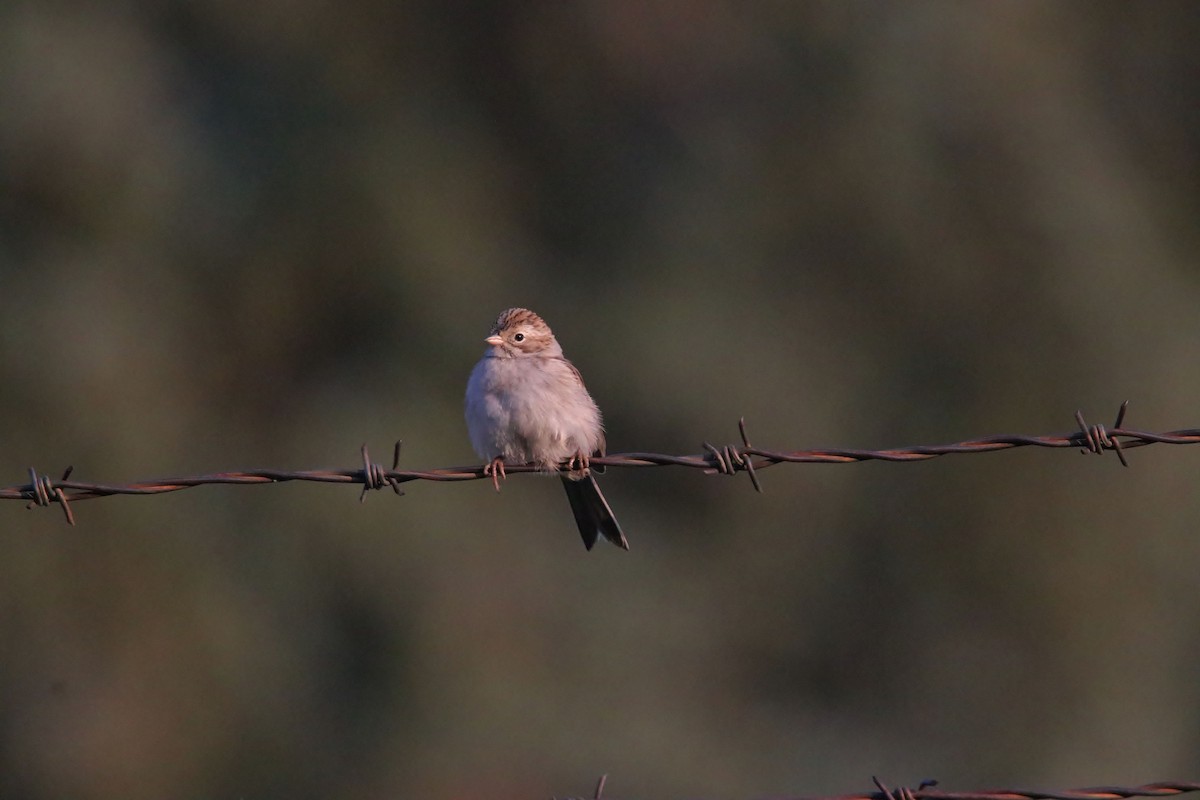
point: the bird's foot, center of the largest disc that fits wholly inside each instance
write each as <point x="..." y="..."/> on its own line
<point x="579" y="463"/>
<point x="495" y="470"/>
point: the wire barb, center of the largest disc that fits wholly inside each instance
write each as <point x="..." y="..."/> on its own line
<point x="1097" y="439"/>
<point x="376" y="477"/>
<point x="903" y="793"/>
<point x="42" y="492"/>
<point x="730" y="459"/>
<point x="744" y="461"/>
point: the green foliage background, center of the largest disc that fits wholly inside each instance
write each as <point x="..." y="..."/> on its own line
<point x="259" y="234"/>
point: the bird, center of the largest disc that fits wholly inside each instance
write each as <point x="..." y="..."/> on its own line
<point x="526" y="403"/>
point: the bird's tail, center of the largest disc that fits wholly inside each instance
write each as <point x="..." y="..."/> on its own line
<point x="592" y="514"/>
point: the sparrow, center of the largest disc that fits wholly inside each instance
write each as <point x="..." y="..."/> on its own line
<point x="526" y="403"/>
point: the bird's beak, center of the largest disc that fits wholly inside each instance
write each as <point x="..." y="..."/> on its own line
<point x="494" y="341"/>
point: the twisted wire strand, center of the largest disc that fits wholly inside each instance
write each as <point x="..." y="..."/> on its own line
<point x="725" y="460"/>
<point x="925" y="791"/>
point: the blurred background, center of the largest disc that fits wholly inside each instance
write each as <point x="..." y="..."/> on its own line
<point x="238" y="235"/>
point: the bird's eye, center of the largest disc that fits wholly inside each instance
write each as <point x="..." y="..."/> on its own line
<point x="520" y="337"/>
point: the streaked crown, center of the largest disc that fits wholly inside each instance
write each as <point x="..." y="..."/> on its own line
<point x="512" y="318"/>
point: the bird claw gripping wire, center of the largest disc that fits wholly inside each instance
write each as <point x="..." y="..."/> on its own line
<point x="731" y="458"/>
<point x="376" y="477"/>
<point x="43" y="492"/>
<point x="1096" y="439"/>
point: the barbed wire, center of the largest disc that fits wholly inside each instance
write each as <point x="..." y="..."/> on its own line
<point x="725" y="460"/>
<point x="926" y="791"/>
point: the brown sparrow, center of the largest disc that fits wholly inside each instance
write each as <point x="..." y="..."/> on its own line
<point x="527" y="403"/>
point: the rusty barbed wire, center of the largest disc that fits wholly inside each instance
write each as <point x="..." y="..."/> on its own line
<point x="927" y="791"/>
<point x="729" y="459"/>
